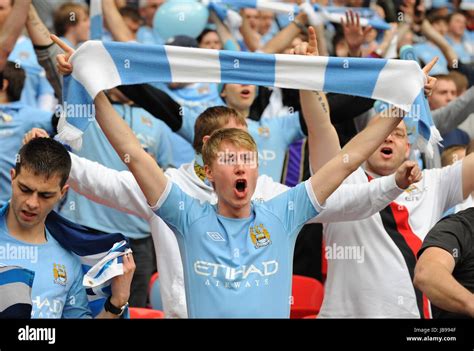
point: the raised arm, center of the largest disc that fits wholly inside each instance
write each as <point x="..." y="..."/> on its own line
<point x="331" y="175"/>
<point x="223" y="32"/>
<point x="146" y="171"/>
<point x="45" y="49"/>
<point x="251" y="37"/>
<point x="322" y="136"/>
<point x="283" y="38"/>
<point x="115" y="23"/>
<point x="11" y="29"/>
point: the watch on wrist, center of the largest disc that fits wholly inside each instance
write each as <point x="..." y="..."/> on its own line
<point x="109" y="307"/>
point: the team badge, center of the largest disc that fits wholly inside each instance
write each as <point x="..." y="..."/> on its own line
<point x="60" y="274"/>
<point x="260" y="236"/>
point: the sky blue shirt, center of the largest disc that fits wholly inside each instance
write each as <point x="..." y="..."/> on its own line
<point x="272" y="135"/>
<point x="57" y="290"/>
<point x="95" y="146"/>
<point x="16" y="119"/>
<point x="146" y="35"/>
<point x="238" y="268"/>
<point x="461" y="48"/>
<point x="36" y="83"/>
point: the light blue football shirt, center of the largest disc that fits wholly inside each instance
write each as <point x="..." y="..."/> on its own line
<point x="57" y="290"/>
<point x="238" y="268"/>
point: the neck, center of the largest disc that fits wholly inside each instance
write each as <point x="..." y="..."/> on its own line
<point x="4" y="99"/>
<point x="33" y="235"/>
<point x="455" y="37"/>
<point x="243" y="113"/>
<point x="375" y="174"/>
<point x="71" y="39"/>
<point x="231" y="212"/>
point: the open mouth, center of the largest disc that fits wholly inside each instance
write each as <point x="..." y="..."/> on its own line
<point x="28" y="215"/>
<point x="245" y="93"/>
<point x="240" y="188"/>
<point x="386" y="151"/>
<point x="241" y="185"/>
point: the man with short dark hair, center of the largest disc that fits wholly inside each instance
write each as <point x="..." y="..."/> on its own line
<point x="38" y="183"/>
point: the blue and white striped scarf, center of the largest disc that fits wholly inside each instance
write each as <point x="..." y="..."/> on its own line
<point x="99" y="66"/>
<point x="100" y="255"/>
<point x="15" y="292"/>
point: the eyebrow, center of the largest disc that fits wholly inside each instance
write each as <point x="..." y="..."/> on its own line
<point x="39" y="192"/>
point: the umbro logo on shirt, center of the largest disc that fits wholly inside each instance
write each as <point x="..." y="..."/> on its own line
<point x="215" y="236"/>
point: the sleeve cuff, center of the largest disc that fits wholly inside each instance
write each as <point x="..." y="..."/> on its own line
<point x="390" y="187"/>
<point x="163" y="197"/>
<point x="314" y="201"/>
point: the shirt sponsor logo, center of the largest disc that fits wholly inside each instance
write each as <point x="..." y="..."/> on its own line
<point x="214" y="270"/>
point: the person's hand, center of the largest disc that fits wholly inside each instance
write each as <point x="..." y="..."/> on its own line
<point x="33" y="134"/>
<point x="309" y="48"/>
<point x="430" y="81"/>
<point x="353" y="32"/>
<point x="302" y="18"/>
<point x="63" y="65"/>
<point x="413" y="13"/>
<point x="408" y="173"/>
<point x="121" y="284"/>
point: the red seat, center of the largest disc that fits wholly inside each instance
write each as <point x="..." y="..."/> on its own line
<point x="308" y="296"/>
<point x="145" y="313"/>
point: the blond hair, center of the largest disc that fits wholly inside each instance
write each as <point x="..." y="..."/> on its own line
<point x="237" y="137"/>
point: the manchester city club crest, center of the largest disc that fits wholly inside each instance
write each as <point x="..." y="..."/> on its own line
<point x="260" y="236"/>
<point x="60" y="274"/>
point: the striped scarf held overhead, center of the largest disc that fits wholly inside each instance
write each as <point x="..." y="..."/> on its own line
<point x="99" y="66"/>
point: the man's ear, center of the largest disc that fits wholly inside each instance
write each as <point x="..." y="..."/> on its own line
<point x="5" y="85"/>
<point x="64" y="190"/>
<point x="209" y="173"/>
<point x="205" y="138"/>
<point x="12" y="173"/>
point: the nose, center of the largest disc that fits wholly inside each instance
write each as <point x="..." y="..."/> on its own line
<point x="239" y="169"/>
<point x="32" y="202"/>
<point x="389" y="138"/>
